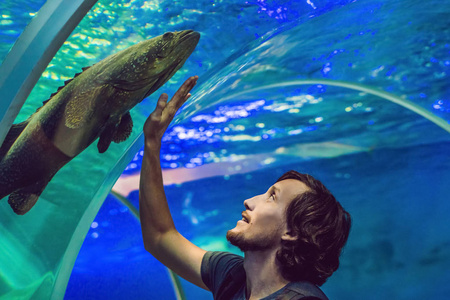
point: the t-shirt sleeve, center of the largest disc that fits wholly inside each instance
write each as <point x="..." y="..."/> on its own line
<point x="215" y="267"/>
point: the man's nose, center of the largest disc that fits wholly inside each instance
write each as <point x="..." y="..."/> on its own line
<point x="249" y="204"/>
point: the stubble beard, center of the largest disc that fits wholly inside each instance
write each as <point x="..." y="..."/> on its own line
<point x="244" y="244"/>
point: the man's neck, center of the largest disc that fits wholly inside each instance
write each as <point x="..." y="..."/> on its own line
<point x="263" y="274"/>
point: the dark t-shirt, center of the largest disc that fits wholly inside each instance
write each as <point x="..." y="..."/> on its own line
<point x="221" y="269"/>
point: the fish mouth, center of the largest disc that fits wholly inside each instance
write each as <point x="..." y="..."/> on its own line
<point x="189" y="34"/>
<point x="187" y="41"/>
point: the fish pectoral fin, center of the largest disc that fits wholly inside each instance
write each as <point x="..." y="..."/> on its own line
<point x="107" y="135"/>
<point x="11" y="136"/>
<point x="21" y="201"/>
<point x="115" y="131"/>
<point x="124" y="129"/>
<point x="81" y="107"/>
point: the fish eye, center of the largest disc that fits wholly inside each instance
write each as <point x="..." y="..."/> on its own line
<point x="167" y="35"/>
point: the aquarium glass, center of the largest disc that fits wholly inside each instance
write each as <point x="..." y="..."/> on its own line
<point x="355" y="93"/>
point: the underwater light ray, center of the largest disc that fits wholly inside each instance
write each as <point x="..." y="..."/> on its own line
<point x="358" y="87"/>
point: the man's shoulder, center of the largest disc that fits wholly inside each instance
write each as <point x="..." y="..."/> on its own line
<point x="219" y="267"/>
<point x="222" y="256"/>
<point x="221" y="262"/>
<point x="303" y="289"/>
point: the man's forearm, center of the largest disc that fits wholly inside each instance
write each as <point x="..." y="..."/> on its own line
<point x="161" y="238"/>
<point x="154" y="210"/>
<point x="156" y="220"/>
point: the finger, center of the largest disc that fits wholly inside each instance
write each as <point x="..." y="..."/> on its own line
<point x="186" y="87"/>
<point x="181" y="95"/>
<point x="162" y="101"/>
<point x="161" y="104"/>
<point x="181" y="101"/>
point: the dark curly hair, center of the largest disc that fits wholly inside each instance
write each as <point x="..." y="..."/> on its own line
<point x="321" y="227"/>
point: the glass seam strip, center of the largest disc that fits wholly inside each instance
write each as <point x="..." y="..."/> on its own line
<point x="358" y="87"/>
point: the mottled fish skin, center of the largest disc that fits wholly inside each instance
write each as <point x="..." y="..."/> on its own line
<point x="94" y="104"/>
<point x="28" y="174"/>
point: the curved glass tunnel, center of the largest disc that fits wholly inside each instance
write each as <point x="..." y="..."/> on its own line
<point x="304" y="86"/>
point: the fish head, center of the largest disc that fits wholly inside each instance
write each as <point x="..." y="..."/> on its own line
<point x="141" y="69"/>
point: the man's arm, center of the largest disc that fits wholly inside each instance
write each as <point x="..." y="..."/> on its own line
<point x="161" y="238"/>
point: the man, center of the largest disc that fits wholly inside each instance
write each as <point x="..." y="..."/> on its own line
<point x="291" y="236"/>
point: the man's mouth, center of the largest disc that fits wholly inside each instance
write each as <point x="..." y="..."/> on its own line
<point x="245" y="217"/>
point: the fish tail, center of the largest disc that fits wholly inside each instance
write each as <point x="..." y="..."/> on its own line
<point x="8" y="180"/>
<point x="27" y="168"/>
<point x="23" y="200"/>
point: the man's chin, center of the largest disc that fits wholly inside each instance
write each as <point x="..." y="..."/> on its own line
<point x="234" y="231"/>
<point x="236" y="239"/>
<point x="232" y="236"/>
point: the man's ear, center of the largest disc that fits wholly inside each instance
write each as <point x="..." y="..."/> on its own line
<point x="289" y="236"/>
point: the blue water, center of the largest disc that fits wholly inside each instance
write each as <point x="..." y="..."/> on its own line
<point x="398" y="247"/>
<point x="252" y="117"/>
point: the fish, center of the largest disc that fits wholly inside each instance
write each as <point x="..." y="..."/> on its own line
<point x="93" y="105"/>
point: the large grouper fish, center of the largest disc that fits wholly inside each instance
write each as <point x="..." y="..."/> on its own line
<point x="94" y="104"/>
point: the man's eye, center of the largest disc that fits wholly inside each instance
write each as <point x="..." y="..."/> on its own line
<point x="272" y="196"/>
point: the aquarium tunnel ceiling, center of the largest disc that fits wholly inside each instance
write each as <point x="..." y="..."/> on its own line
<point x="355" y="93"/>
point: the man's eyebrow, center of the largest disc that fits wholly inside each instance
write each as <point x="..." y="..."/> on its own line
<point x="277" y="190"/>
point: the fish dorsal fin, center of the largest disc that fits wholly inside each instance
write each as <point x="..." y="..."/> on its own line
<point x="11" y="136"/>
<point x="124" y="128"/>
<point x="81" y="107"/>
<point x="53" y="94"/>
<point x="43" y="104"/>
<point x="46" y="101"/>
<point x="65" y="84"/>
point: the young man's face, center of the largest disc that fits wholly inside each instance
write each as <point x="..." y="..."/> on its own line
<point x="264" y="221"/>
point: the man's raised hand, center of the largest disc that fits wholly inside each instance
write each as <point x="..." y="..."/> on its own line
<point x="160" y="118"/>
